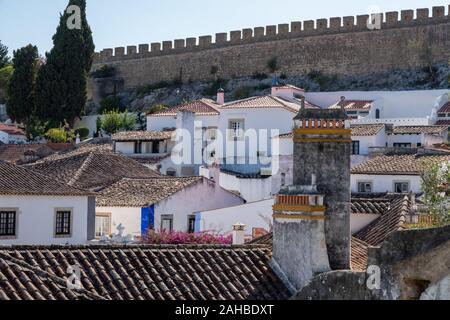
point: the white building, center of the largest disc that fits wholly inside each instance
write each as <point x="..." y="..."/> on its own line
<point x="11" y="134"/>
<point x="37" y="210"/>
<point x="397" y="173"/>
<point x="158" y="203"/>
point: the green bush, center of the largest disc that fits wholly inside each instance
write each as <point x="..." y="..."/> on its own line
<point x="104" y="71"/>
<point x="156" y="108"/>
<point x="82" y="132"/>
<point x="115" y="121"/>
<point x="59" y="135"/>
<point x="242" y="92"/>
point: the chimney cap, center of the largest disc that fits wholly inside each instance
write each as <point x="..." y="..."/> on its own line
<point x="238" y="226"/>
<point x="221" y="90"/>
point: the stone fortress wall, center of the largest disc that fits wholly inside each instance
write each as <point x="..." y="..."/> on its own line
<point x="342" y="46"/>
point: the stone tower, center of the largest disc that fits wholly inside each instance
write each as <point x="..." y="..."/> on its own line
<point x="322" y="147"/>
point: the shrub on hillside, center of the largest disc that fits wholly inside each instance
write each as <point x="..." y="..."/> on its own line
<point x="104" y="71"/>
<point x="242" y="92"/>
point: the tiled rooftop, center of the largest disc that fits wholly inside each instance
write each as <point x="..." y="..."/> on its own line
<point x="11" y="129"/>
<point x="353" y="105"/>
<point x="445" y="108"/>
<point x="392" y="220"/>
<point x="420" y="129"/>
<point x="366" y="129"/>
<point x="141" y="192"/>
<point x="17" y="180"/>
<point x="142" y="135"/>
<point x="443" y="123"/>
<point x="203" y="107"/>
<point x="267" y="101"/>
<point x="92" y="170"/>
<point x="190" y="272"/>
<point x="408" y="164"/>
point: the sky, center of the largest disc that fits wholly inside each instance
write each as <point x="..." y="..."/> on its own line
<point x="117" y="23"/>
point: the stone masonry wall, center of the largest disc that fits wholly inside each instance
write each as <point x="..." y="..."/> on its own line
<point x="334" y="46"/>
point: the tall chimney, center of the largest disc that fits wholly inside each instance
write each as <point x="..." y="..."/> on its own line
<point x="238" y="234"/>
<point x="221" y="96"/>
<point x="302" y="102"/>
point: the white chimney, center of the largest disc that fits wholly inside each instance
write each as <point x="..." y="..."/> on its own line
<point x="221" y="96"/>
<point x="238" y="234"/>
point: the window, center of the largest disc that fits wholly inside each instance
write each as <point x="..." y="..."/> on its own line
<point x="63" y="223"/>
<point x="191" y="224"/>
<point x="401" y="187"/>
<point x="102" y="224"/>
<point x="377" y="114"/>
<point x="167" y="222"/>
<point x="355" y="147"/>
<point x="171" y="172"/>
<point x="8" y="219"/>
<point x="402" y="145"/>
<point x="236" y="128"/>
<point x="283" y="179"/>
<point x="364" y="187"/>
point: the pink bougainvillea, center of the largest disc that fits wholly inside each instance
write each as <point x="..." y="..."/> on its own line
<point x="177" y="237"/>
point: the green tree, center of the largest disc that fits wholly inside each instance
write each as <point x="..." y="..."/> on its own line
<point x="5" y="76"/>
<point x="34" y="128"/>
<point x="4" y="59"/>
<point x="61" y="83"/>
<point x="20" y="103"/>
<point x="114" y="121"/>
<point x="435" y="183"/>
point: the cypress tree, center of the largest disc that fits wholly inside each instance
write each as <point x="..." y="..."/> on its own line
<point x="4" y="59"/>
<point x="20" y="103"/>
<point x="61" y="83"/>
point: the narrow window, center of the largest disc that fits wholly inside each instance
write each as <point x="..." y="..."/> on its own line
<point x="401" y="187"/>
<point x="355" y="147"/>
<point x="8" y="223"/>
<point x="377" y="114"/>
<point x="102" y="225"/>
<point x="63" y="223"/>
<point x="167" y="223"/>
<point x="283" y="179"/>
<point x="364" y="187"/>
<point x="191" y="224"/>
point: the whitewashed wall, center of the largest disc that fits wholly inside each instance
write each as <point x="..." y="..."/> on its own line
<point x="253" y="215"/>
<point x="202" y="196"/>
<point x="4" y="137"/>
<point x="359" y="221"/>
<point x="393" y="104"/>
<point x="383" y="183"/>
<point x="36" y="219"/>
<point x="129" y="217"/>
<point x="250" y="189"/>
<point x="161" y="122"/>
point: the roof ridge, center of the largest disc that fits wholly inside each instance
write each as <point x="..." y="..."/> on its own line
<point x="78" y="173"/>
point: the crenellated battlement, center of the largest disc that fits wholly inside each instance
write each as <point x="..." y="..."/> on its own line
<point x="296" y="29"/>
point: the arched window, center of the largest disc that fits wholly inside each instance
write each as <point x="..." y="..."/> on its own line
<point x="377" y="114"/>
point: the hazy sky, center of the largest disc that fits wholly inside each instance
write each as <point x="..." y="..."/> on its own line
<point x="131" y="22"/>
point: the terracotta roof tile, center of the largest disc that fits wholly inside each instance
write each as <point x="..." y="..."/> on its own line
<point x="200" y="107"/>
<point x="409" y="164"/>
<point x="366" y="129"/>
<point x="92" y="170"/>
<point x="142" y="135"/>
<point x="359" y="255"/>
<point x="22" y="181"/>
<point x="369" y="205"/>
<point x="445" y="108"/>
<point x="420" y="129"/>
<point x="392" y="220"/>
<point x="169" y="272"/>
<point x="349" y="105"/>
<point x="267" y="101"/>
<point x="141" y="192"/>
<point x="443" y="123"/>
<point x="11" y="129"/>
<point x="14" y="153"/>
